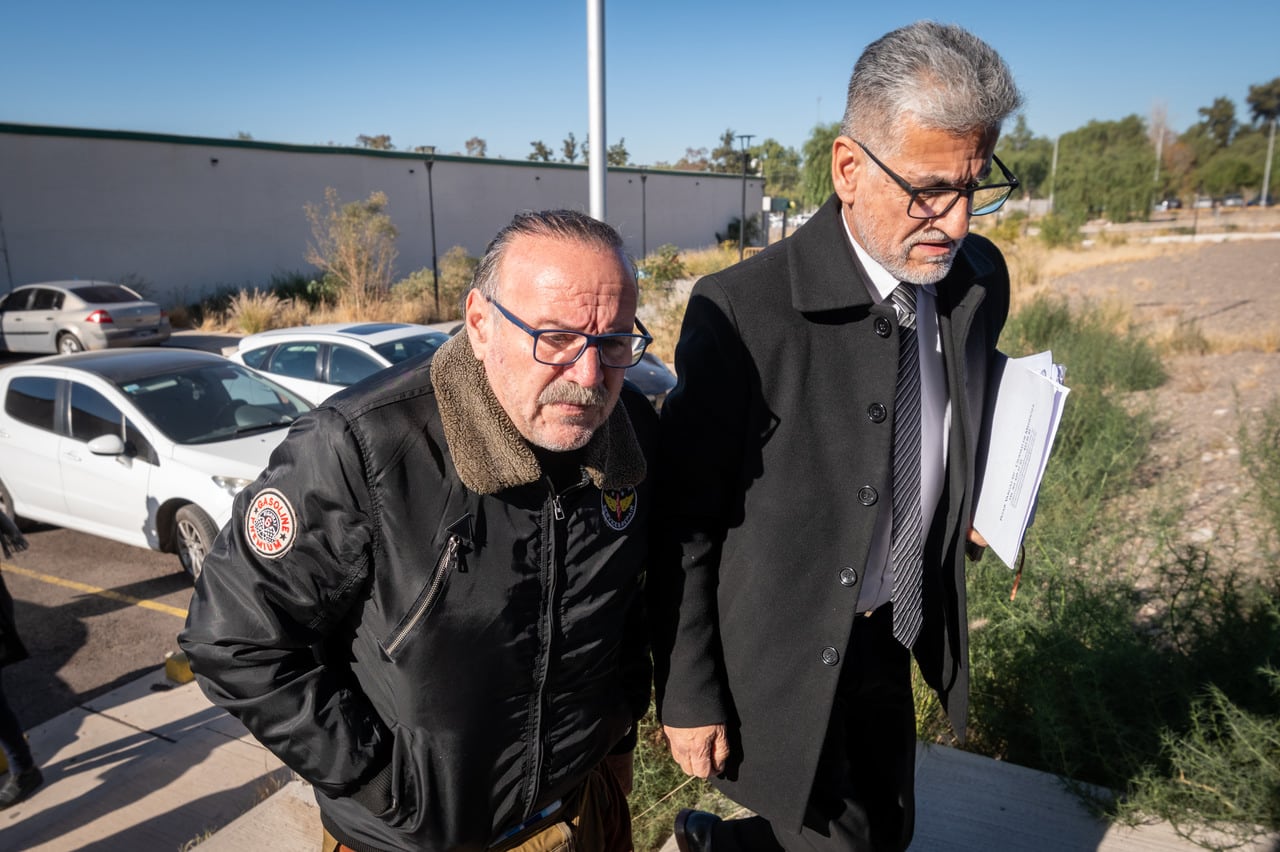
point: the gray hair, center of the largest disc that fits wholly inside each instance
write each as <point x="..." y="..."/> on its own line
<point x="940" y="75"/>
<point x="569" y="225"/>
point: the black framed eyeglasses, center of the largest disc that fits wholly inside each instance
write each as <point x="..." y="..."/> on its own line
<point x="561" y="347"/>
<point x="932" y="202"/>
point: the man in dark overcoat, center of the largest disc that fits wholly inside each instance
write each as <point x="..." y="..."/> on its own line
<point x="818" y="463"/>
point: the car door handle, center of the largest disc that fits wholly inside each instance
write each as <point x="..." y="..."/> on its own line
<point x="73" y="456"/>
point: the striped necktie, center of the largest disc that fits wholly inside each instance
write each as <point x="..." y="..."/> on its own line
<point x="906" y="543"/>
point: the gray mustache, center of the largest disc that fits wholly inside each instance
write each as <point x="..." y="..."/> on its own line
<point x="572" y="394"/>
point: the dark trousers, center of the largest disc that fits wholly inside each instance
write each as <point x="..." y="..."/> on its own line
<point x="16" y="750"/>
<point x="863" y="797"/>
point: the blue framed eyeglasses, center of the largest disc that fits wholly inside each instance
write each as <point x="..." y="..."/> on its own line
<point x="561" y="347"/>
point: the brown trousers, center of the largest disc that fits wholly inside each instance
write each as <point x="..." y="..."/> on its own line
<point x="596" y="820"/>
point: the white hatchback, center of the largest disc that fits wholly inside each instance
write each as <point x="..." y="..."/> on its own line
<point x="317" y="361"/>
<point x="143" y="446"/>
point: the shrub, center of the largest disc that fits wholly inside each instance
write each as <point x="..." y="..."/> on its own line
<point x="659" y="271"/>
<point x="354" y="246"/>
<point x="1056" y="231"/>
<point x="457" y="269"/>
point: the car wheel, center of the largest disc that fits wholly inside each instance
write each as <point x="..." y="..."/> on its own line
<point x="195" y="533"/>
<point x="69" y="343"/>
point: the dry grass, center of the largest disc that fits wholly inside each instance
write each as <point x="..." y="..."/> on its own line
<point x="252" y="311"/>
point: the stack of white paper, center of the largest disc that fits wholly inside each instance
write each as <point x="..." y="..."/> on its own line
<point x="1024" y="407"/>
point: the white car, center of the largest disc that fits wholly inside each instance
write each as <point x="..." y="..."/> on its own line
<point x="317" y="361"/>
<point x="143" y="446"/>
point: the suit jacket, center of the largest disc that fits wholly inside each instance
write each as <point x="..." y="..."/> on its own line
<point x="776" y="460"/>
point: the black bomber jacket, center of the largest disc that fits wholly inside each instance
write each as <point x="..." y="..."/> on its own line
<point x="409" y="615"/>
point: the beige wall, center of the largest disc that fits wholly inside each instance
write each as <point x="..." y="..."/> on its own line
<point x="191" y="215"/>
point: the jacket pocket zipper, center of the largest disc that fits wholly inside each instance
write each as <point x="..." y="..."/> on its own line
<point x="428" y="598"/>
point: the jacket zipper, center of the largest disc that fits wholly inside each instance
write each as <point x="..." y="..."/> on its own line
<point x="449" y="555"/>
<point x="558" y="513"/>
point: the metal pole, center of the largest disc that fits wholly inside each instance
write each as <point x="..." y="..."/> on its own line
<point x="742" y="220"/>
<point x="1266" y="173"/>
<point x="595" y="105"/>
<point x="644" y="211"/>
<point x="1053" y="173"/>
<point x="431" y="214"/>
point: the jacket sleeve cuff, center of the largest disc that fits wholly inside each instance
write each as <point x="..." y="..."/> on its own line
<point x="374" y="795"/>
<point x="627" y="744"/>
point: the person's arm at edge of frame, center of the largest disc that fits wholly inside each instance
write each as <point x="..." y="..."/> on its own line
<point x="702" y="424"/>
<point x="254" y="622"/>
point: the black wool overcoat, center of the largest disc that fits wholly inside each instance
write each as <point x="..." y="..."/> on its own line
<point x="776" y="461"/>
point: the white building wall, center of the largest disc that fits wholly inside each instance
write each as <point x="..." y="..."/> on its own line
<point x="191" y="215"/>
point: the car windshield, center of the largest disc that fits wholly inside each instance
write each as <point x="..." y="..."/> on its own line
<point x="407" y="347"/>
<point x="215" y="402"/>
<point x="103" y="294"/>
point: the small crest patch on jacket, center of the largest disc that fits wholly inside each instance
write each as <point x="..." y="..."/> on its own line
<point x="270" y="525"/>
<point x="618" y="505"/>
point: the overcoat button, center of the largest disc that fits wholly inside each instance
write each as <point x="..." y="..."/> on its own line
<point x="848" y="577"/>
<point x="883" y="328"/>
<point x="867" y="495"/>
<point x="830" y="656"/>
<point x="876" y="412"/>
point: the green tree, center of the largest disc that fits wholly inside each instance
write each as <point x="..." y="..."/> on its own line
<point x="541" y="152"/>
<point x="382" y="142"/>
<point x="1105" y="169"/>
<point x="815" y="178"/>
<point x="694" y="160"/>
<point x="1227" y="173"/>
<point x="780" y="166"/>
<point x="1264" y="108"/>
<point x="617" y="154"/>
<point x="1219" y="121"/>
<point x="1029" y="157"/>
<point x="476" y="147"/>
<point x="354" y="246"/>
<point x="726" y="157"/>
<point x="570" y="148"/>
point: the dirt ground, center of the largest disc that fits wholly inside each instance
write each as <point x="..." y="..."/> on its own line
<point x="1230" y="293"/>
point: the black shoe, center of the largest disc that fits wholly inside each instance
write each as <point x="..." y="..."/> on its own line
<point x="19" y="786"/>
<point x="693" y="830"/>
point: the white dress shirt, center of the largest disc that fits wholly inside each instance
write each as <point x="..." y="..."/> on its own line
<point x="935" y="422"/>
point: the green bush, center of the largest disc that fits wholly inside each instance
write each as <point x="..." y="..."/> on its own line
<point x="659" y="271"/>
<point x="457" y="269"/>
<point x="1056" y="230"/>
<point x="1129" y="658"/>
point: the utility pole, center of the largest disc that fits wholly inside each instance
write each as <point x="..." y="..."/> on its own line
<point x="1266" y="173"/>
<point x="742" y="221"/>
<point x="595" y="107"/>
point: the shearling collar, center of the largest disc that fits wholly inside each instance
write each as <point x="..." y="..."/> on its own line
<point x="488" y="451"/>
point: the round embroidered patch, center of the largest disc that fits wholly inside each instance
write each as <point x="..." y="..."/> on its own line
<point x="618" y="506"/>
<point x="270" y="525"/>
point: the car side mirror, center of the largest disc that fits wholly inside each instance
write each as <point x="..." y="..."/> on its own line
<point x="106" y="445"/>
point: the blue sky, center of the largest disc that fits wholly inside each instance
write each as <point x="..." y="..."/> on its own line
<point x="677" y="73"/>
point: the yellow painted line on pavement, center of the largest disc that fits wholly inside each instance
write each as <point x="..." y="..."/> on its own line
<point x="93" y="590"/>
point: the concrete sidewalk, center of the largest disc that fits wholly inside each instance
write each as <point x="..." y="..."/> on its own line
<point x="154" y="766"/>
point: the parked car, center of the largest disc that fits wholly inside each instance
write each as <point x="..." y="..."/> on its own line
<point x="652" y="378"/>
<point x="69" y="316"/>
<point x="1233" y="200"/>
<point x="317" y="361"/>
<point x="1258" y="200"/>
<point x="1170" y="204"/>
<point x="1204" y="202"/>
<point x="143" y="446"/>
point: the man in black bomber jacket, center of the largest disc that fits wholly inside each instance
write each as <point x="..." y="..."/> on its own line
<point x="429" y="604"/>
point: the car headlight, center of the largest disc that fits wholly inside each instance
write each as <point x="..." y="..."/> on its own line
<point x="233" y="485"/>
